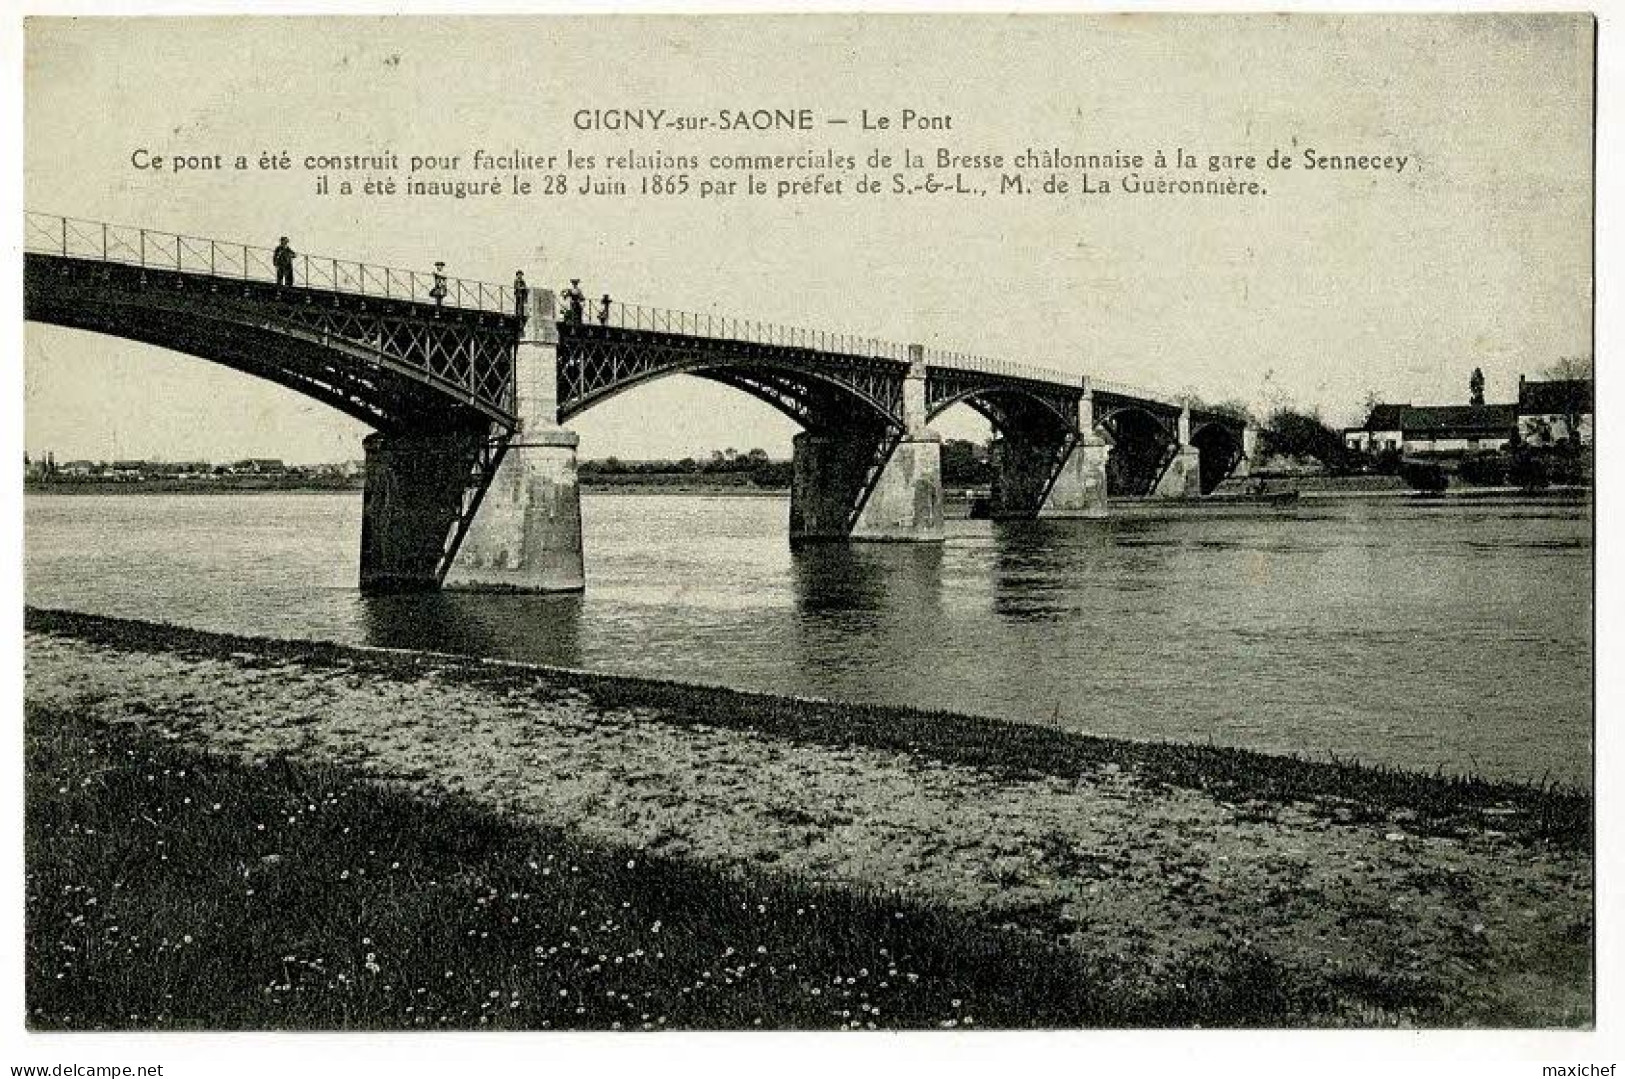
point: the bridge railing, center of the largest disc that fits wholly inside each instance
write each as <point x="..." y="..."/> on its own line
<point x="130" y="245"/>
<point x="1124" y="389"/>
<point x="967" y="361"/>
<point x="632" y="316"/>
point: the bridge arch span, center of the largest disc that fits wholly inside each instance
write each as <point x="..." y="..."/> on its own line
<point x="805" y="390"/>
<point x="1011" y="409"/>
<point x="1110" y="414"/>
<point x="303" y="367"/>
<point x="1036" y="463"/>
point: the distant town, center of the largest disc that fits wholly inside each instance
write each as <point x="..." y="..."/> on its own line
<point x="250" y="472"/>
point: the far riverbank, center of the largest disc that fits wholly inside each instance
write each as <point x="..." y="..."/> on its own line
<point x="741" y="485"/>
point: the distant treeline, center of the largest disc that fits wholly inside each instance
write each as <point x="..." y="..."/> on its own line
<point x="964" y="464"/>
<point x="726" y="467"/>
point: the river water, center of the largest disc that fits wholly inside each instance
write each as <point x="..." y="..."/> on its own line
<point x="1431" y="635"/>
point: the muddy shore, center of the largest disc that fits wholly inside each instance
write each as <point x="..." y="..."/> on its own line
<point x="1481" y="891"/>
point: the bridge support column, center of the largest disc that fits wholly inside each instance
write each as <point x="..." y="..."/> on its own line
<point x="848" y="486"/>
<point x="1182" y="478"/>
<point x="526" y="532"/>
<point x="1249" y="449"/>
<point x="1028" y="482"/>
<point x="1080" y="486"/>
<point x="413" y="497"/>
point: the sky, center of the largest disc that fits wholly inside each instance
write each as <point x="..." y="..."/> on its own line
<point x="1332" y="288"/>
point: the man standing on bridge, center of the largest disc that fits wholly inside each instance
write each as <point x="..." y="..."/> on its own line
<point x="521" y="294"/>
<point x="603" y="310"/>
<point x="282" y="259"/>
<point x="438" y="290"/>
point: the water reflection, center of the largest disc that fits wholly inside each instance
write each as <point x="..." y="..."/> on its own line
<point x="1042" y="570"/>
<point x="866" y="576"/>
<point x="534" y="629"/>
<point x="887" y="595"/>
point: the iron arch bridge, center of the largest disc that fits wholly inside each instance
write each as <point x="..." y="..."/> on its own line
<point x="436" y="367"/>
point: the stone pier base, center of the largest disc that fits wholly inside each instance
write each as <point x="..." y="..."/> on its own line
<point x="1183" y="476"/>
<point x="1080" y="489"/>
<point x="1023" y="472"/>
<point x="831" y="475"/>
<point x="526" y="535"/>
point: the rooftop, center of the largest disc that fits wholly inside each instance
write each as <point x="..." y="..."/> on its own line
<point x="1555" y="396"/>
<point x="1438" y="419"/>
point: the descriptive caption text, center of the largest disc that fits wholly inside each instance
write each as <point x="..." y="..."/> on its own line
<point x="654" y="161"/>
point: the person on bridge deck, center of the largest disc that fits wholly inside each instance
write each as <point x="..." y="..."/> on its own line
<point x="603" y="310"/>
<point x="521" y="293"/>
<point x="282" y="259"/>
<point x="438" y="291"/>
<point x="575" y="302"/>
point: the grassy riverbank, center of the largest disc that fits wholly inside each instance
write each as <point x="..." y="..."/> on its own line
<point x="168" y="888"/>
<point x="228" y="832"/>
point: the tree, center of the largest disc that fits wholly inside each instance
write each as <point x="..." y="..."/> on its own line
<point x="1569" y="368"/>
<point x="1527" y="469"/>
<point x="964" y="464"/>
<point x="1235" y="409"/>
<point x="1291" y="433"/>
<point x="1475" y="387"/>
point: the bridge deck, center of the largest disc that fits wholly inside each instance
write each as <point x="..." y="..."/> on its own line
<point x="605" y="345"/>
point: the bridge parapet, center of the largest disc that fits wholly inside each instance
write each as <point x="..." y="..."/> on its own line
<point x="1124" y="389"/>
<point x="130" y="245"/>
<point x="988" y="365"/>
<point x="719" y="327"/>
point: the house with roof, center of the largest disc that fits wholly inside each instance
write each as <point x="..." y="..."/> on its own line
<point x="1434" y="430"/>
<point x="1550" y="412"/>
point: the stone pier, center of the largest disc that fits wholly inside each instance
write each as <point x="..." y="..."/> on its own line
<point x="526" y="534"/>
<point x="1249" y="451"/>
<point x="1182" y="478"/>
<point x="1028" y="483"/>
<point x="900" y="491"/>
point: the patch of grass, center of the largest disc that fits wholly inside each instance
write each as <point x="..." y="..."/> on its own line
<point x="1342" y="792"/>
<point x="169" y="888"/>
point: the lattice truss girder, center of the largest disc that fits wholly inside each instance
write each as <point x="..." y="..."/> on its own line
<point x="350" y="354"/>
<point x="819" y="390"/>
<point x="1008" y="404"/>
<point x="472" y="363"/>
